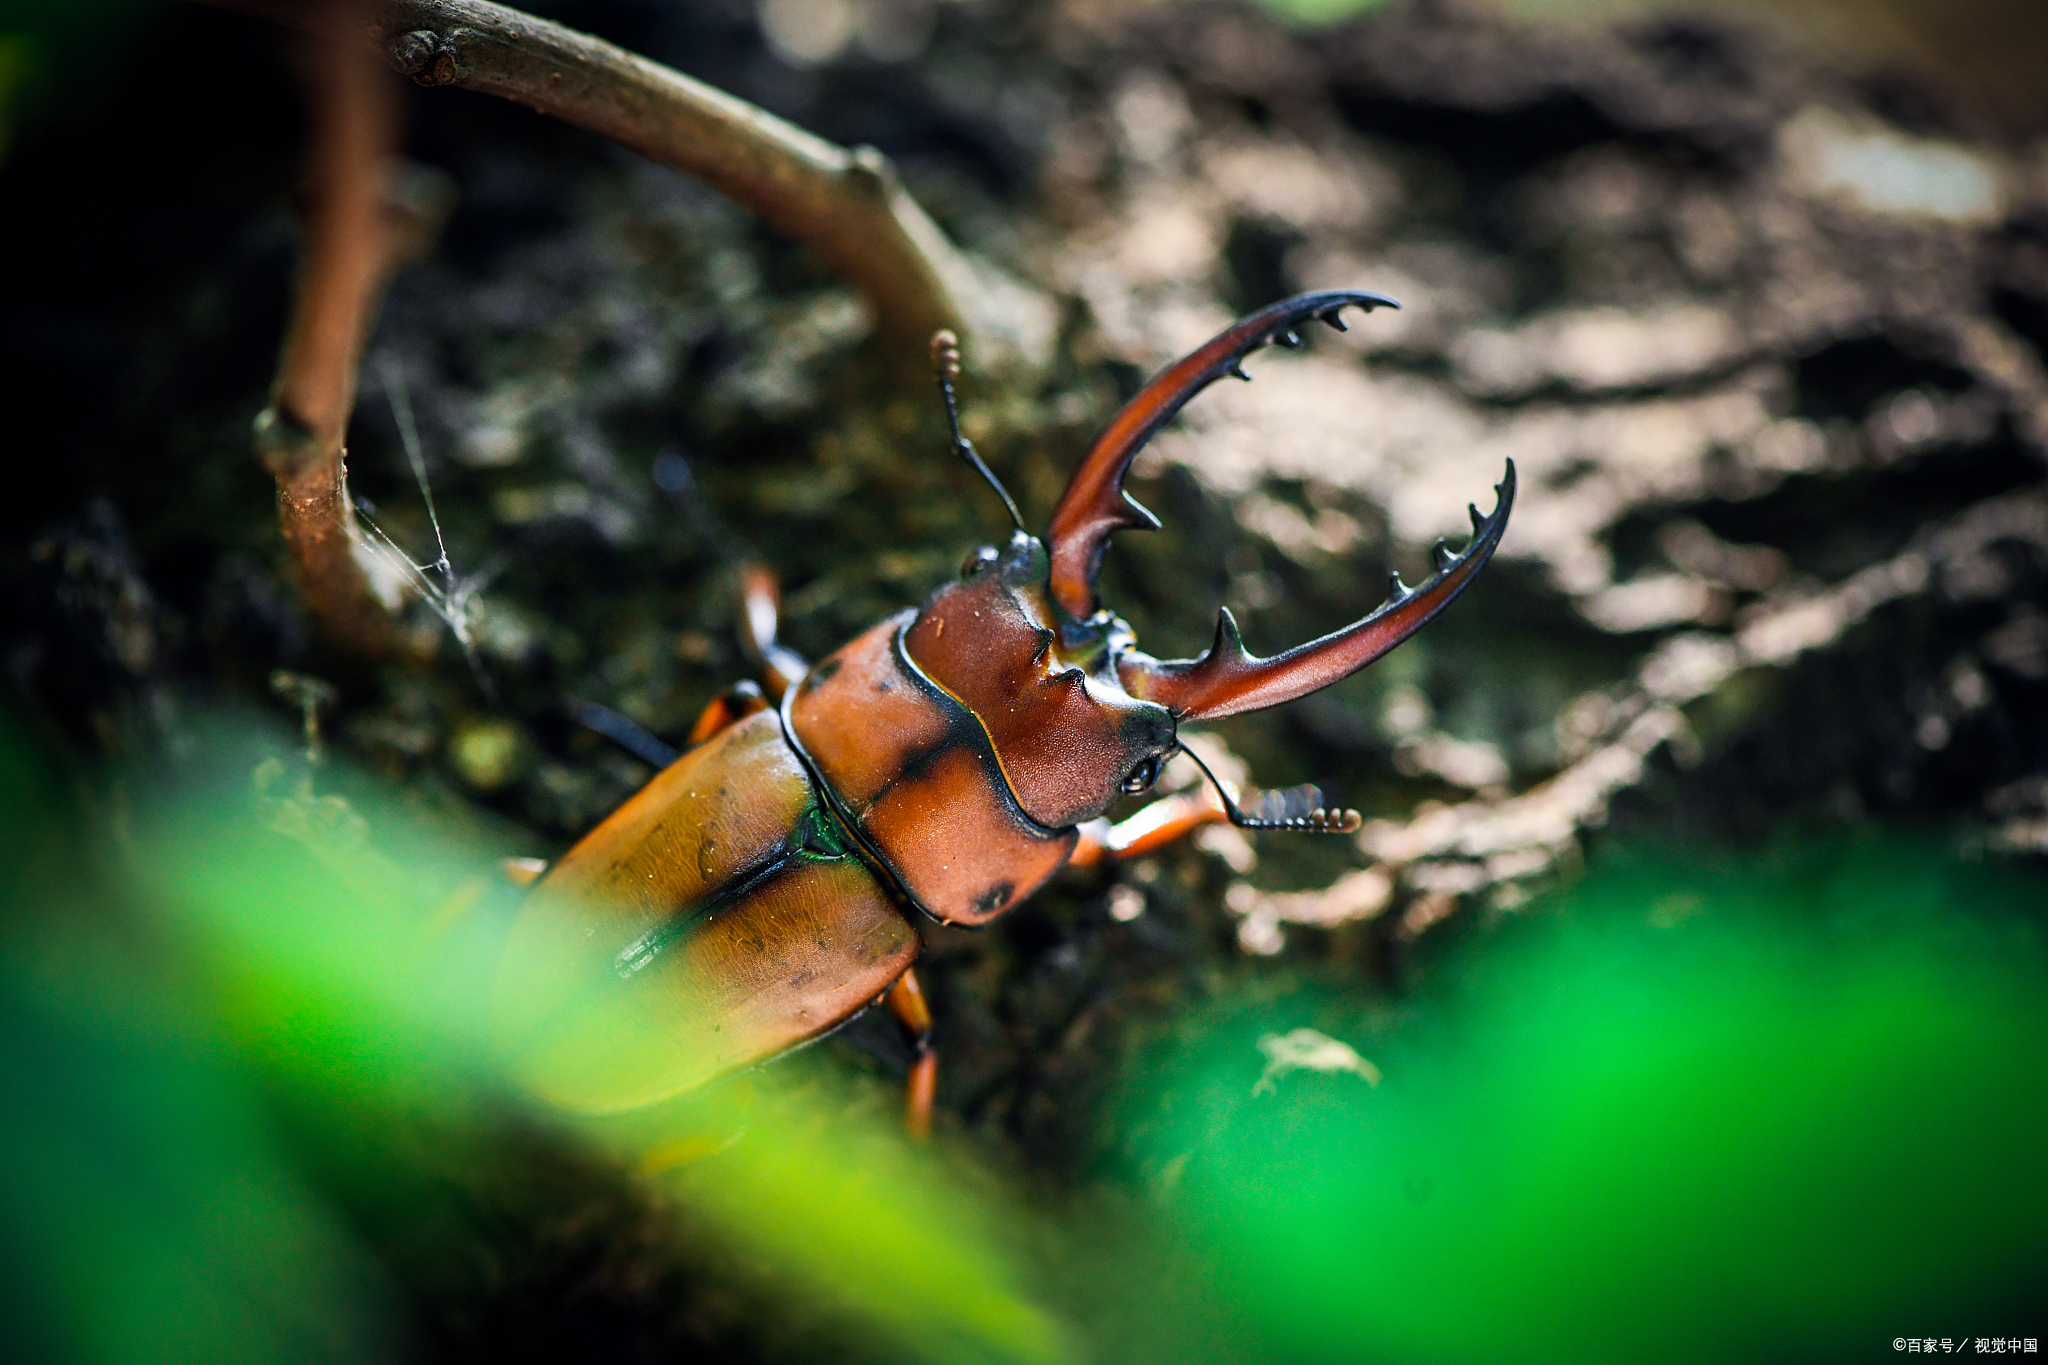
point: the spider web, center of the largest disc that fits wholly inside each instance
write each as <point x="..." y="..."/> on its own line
<point x="454" y="597"/>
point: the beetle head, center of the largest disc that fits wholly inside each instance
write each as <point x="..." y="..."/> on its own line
<point x="1077" y="714"/>
<point x="1069" y="736"/>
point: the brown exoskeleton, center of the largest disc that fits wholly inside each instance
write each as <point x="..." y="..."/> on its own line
<point x="763" y="888"/>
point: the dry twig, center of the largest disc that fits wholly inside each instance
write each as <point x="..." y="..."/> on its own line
<point x="846" y="205"/>
<point x="351" y="251"/>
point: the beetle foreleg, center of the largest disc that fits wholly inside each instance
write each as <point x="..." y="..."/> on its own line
<point x="906" y="1002"/>
<point x="633" y="738"/>
<point x="1154" y="827"/>
<point x="760" y="614"/>
<point x="729" y="707"/>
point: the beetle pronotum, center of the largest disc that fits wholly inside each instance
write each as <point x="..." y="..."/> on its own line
<point x="761" y="890"/>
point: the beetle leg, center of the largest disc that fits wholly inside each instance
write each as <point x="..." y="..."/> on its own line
<point x="1154" y="827"/>
<point x="634" y="739"/>
<point x="906" y="1001"/>
<point x="729" y="707"/>
<point x="760" y="613"/>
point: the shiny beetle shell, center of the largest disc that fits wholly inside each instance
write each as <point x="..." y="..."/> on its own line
<point x="763" y="888"/>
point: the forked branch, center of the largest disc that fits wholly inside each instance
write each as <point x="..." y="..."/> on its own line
<point x="845" y="204"/>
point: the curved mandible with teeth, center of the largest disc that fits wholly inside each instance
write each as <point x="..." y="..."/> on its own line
<point x="1095" y="505"/>
<point x="1226" y="680"/>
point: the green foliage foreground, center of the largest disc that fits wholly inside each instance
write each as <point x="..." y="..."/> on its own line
<point x="1697" y="1107"/>
<point x="1784" y="1107"/>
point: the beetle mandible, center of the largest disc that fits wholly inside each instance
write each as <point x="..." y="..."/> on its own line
<point x="761" y="890"/>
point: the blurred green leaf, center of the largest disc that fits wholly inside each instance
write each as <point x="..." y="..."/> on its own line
<point x="897" y="1236"/>
<point x="1805" y="1111"/>
<point x="146" y="1212"/>
<point x="1698" y="1107"/>
<point x="262" y="941"/>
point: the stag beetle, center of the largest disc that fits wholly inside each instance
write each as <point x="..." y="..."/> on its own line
<point x="761" y="890"/>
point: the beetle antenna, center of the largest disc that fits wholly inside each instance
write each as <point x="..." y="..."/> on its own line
<point x="1297" y="808"/>
<point x="946" y="365"/>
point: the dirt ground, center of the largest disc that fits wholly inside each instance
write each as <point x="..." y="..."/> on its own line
<point x="1765" y="340"/>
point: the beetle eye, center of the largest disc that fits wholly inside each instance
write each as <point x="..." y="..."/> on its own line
<point x="979" y="560"/>
<point x="1142" y="777"/>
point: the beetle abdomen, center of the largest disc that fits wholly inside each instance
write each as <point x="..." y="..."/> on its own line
<point x="714" y="920"/>
<point x="913" y="773"/>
